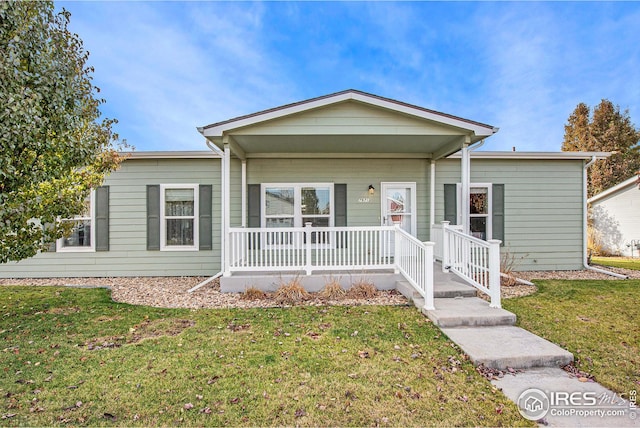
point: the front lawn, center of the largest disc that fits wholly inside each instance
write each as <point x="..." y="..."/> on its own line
<point x="619" y="262"/>
<point x="595" y="320"/>
<point x="72" y="356"/>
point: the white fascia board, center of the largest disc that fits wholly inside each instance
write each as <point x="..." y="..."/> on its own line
<point x="620" y="186"/>
<point x="201" y="154"/>
<point x="476" y="129"/>
<point x="217" y="131"/>
<point x="535" y="155"/>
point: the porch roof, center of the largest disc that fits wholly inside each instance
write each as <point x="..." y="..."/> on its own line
<point x="346" y="123"/>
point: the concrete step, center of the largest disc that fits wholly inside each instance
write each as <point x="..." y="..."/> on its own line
<point x="407" y="290"/>
<point x="468" y="312"/>
<point x="501" y="347"/>
<point x="453" y="289"/>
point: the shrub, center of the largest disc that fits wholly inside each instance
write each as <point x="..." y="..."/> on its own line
<point x="291" y="293"/>
<point x="362" y="289"/>
<point x="253" y="293"/>
<point x="333" y="290"/>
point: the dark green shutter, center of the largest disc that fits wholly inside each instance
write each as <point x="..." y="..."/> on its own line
<point x="340" y="204"/>
<point x="451" y="203"/>
<point x="204" y="215"/>
<point x="153" y="217"/>
<point x="497" y="200"/>
<point x="340" y="212"/>
<point x="102" y="218"/>
<point x="253" y="205"/>
<point x="253" y="211"/>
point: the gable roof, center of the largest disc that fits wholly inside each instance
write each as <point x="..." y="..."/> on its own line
<point x="477" y="128"/>
<point x="615" y="189"/>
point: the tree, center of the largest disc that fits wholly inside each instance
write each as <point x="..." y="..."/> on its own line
<point x="607" y="130"/>
<point x="53" y="147"/>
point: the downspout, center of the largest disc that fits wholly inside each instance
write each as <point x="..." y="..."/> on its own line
<point x="585" y="261"/>
<point x="432" y="187"/>
<point x="217" y="151"/>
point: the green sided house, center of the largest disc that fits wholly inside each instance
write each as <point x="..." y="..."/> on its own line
<point x="348" y="182"/>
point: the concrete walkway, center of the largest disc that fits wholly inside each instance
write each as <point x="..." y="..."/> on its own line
<point x="489" y="337"/>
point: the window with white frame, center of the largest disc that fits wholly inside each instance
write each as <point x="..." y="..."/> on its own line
<point x="480" y="210"/>
<point x="294" y="205"/>
<point x="82" y="237"/>
<point x="179" y="217"/>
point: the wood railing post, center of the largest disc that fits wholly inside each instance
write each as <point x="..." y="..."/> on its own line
<point x="307" y="234"/>
<point x="446" y="262"/>
<point x="494" y="272"/>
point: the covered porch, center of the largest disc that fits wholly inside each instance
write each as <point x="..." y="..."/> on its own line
<point x="274" y="161"/>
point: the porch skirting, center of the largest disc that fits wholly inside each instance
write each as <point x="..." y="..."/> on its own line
<point x="239" y="282"/>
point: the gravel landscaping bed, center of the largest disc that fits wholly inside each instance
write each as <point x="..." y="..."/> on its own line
<point x="171" y="292"/>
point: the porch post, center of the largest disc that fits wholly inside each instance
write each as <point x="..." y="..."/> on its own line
<point x="432" y="191"/>
<point x="243" y="193"/>
<point x="465" y="186"/>
<point x="226" y="202"/>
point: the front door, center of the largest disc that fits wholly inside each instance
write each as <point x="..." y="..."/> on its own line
<point x="399" y="206"/>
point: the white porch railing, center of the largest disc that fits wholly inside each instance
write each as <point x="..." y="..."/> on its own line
<point x="475" y="260"/>
<point x="311" y="249"/>
<point x="437" y="235"/>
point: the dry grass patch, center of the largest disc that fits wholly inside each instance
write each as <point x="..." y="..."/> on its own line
<point x="253" y="293"/>
<point x="333" y="291"/>
<point x="291" y="293"/>
<point x="362" y="289"/>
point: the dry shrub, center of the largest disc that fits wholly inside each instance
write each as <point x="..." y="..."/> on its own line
<point x="362" y="289"/>
<point x="253" y="293"/>
<point x="594" y="242"/>
<point x="291" y="293"/>
<point x="333" y="290"/>
<point x="508" y="263"/>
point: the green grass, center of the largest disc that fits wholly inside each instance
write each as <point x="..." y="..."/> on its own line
<point x="74" y="357"/>
<point x="619" y="262"/>
<point x="595" y="320"/>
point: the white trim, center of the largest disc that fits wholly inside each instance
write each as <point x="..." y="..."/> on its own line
<point x="534" y="155"/>
<point x="631" y="181"/>
<point x="92" y="237"/>
<point x="163" y="219"/>
<point x="489" y="215"/>
<point x="172" y="155"/>
<point x="219" y="130"/>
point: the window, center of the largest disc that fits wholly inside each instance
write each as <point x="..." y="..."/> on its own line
<point x="82" y="237"/>
<point x="480" y="209"/>
<point x="294" y="205"/>
<point x="178" y="217"/>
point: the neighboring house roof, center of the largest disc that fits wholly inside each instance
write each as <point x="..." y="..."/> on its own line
<point x="615" y="189"/>
<point x="218" y="128"/>
<point x="535" y="155"/>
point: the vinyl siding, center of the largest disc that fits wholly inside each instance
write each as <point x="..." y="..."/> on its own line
<point x="543" y="207"/>
<point x="617" y="219"/>
<point x="127" y="255"/>
<point x="349" y="117"/>
<point x="358" y="174"/>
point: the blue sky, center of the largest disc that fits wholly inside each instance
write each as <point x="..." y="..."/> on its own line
<point x="167" y="67"/>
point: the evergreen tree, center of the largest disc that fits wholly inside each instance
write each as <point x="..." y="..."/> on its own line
<point x="606" y="130"/>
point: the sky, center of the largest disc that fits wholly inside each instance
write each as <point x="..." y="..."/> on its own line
<point x="165" y="68"/>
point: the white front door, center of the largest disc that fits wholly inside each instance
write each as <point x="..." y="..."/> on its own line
<point x="399" y="206"/>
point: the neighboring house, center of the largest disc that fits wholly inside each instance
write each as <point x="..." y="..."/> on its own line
<point x="352" y="166"/>
<point x="615" y="215"/>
